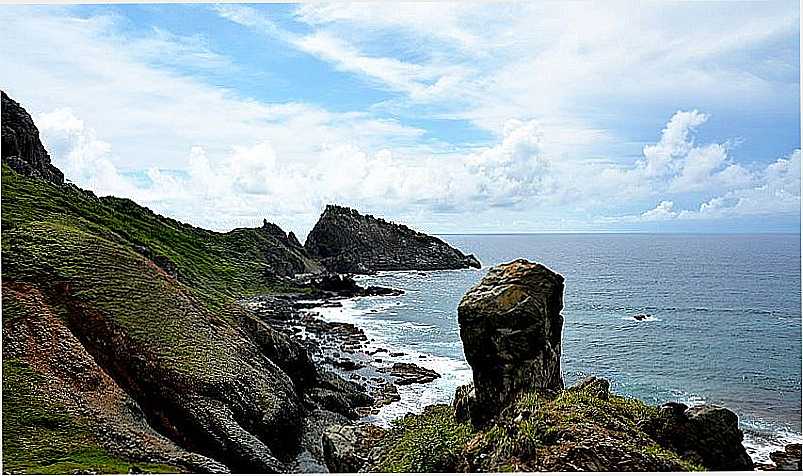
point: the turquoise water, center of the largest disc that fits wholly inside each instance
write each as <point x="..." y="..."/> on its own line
<point x="726" y="325"/>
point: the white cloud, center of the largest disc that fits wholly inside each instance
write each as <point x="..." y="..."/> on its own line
<point x="122" y="115"/>
<point x="776" y="191"/>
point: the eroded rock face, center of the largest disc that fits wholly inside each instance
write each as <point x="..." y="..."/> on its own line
<point x="22" y="149"/>
<point x="510" y="325"/>
<point x="706" y="434"/>
<point x="347" y="242"/>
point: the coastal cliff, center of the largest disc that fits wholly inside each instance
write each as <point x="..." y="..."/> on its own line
<point x="124" y="348"/>
<point x="22" y="149"/>
<point x="346" y="241"/>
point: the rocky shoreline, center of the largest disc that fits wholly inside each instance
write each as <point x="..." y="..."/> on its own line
<point x="343" y="348"/>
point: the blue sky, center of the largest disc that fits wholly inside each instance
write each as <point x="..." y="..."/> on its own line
<point x="477" y="117"/>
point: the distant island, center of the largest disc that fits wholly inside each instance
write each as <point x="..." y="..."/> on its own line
<point x="136" y="343"/>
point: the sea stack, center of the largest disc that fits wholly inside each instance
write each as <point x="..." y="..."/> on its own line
<point x="510" y="325"/>
<point x="346" y="241"/>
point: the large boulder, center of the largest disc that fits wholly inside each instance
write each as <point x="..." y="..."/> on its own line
<point x="706" y="434"/>
<point x="510" y="324"/>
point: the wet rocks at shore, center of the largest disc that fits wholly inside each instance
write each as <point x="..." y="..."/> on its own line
<point x="409" y="373"/>
<point x="788" y="459"/>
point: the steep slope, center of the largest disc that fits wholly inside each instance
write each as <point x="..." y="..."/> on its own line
<point x="22" y="149"/>
<point x="347" y="242"/>
<point x="124" y="348"/>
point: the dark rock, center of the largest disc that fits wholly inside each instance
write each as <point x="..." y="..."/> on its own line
<point x="163" y="262"/>
<point x="510" y="324"/>
<point x="464" y="402"/>
<point x="599" y="387"/>
<point x="347" y="242"/>
<point x="787" y="460"/>
<point x="706" y="434"/>
<point x="22" y="149"/>
<point x="407" y="373"/>
<point x="346" y="447"/>
<point x="291" y="357"/>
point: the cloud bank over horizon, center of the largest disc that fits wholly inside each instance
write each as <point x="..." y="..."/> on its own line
<point x="453" y="118"/>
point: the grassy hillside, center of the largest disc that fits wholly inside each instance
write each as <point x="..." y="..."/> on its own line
<point x="218" y="266"/>
<point x="112" y="361"/>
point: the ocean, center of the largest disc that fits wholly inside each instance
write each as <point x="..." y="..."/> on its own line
<point x="725" y="323"/>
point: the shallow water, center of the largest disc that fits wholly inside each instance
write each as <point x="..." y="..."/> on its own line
<point x="724" y="325"/>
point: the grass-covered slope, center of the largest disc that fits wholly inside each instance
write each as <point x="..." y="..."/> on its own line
<point x="41" y="437"/>
<point x="573" y="431"/>
<point x="216" y="265"/>
<point x="116" y="360"/>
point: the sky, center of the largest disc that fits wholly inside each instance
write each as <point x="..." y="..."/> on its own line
<point x="477" y="117"/>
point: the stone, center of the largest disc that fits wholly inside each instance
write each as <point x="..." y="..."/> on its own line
<point x="346" y="447"/>
<point x="599" y="387"/>
<point x="464" y="402"/>
<point x="787" y="460"/>
<point x="706" y="434"/>
<point x="510" y="325"/>
<point x="22" y="149"/>
<point x="346" y="241"/>
<point x="407" y="373"/>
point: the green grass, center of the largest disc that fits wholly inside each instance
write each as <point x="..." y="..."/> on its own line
<point x="429" y="442"/>
<point x="80" y="253"/>
<point x="434" y="441"/>
<point x="218" y="266"/>
<point x="39" y="437"/>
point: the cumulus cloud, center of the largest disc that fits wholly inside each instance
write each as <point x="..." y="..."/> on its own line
<point x="126" y="115"/>
<point x="775" y="191"/>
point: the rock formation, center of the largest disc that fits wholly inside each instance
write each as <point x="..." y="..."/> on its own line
<point x="347" y="242"/>
<point x="511" y="325"/>
<point x="707" y="434"/>
<point x="22" y="149"/>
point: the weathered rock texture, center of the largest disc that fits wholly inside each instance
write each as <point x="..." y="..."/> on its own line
<point x="347" y="242"/>
<point x="510" y="324"/>
<point x="22" y="149"/>
<point x="706" y="434"/>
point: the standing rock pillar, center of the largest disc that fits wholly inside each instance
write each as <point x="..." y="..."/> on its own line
<point x="510" y="325"/>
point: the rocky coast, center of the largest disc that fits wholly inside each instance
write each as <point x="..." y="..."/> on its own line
<point x="133" y="342"/>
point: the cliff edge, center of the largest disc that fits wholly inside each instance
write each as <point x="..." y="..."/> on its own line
<point x="22" y="149"/>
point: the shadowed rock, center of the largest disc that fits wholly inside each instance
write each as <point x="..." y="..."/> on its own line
<point x="510" y="324"/>
<point x="22" y="149"/>
<point x="347" y="242"/>
<point x="706" y="434"/>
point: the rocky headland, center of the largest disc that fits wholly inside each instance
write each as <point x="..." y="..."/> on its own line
<point x="347" y="242"/>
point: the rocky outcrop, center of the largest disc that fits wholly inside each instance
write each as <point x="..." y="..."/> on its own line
<point x="22" y="149"/>
<point x="347" y="242"/>
<point x="511" y="325"/>
<point x="706" y="434"/>
<point x="788" y="459"/>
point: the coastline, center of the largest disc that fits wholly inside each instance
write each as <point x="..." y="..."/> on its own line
<point x="364" y="314"/>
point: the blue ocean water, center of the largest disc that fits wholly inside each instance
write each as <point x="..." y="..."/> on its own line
<point x="725" y="325"/>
